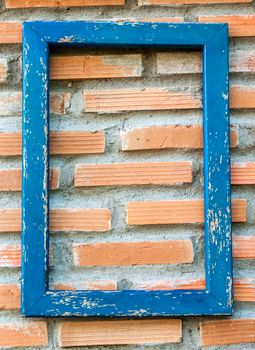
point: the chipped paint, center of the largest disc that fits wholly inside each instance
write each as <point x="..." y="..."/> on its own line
<point x="37" y="300"/>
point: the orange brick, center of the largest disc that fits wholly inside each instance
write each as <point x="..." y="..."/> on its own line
<point x="77" y="142"/>
<point x="163" y="137"/>
<point x="242" y="97"/>
<point x="171" y="285"/>
<point x="244" y="288"/>
<point x="93" y="67"/>
<point x="10" y="256"/>
<point x="10" y="144"/>
<point x="243" y="173"/>
<point x="98" y="220"/>
<point x="27" y="334"/>
<point x="168" y="173"/>
<point x="244" y="247"/>
<point x="120" y="332"/>
<point x="10" y="179"/>
<point x="15" y="4"/>
<point x="243" y="25"/>
<point x="66" y="142"/>
<point x="3" y="70"/>
<point x="88" y="285"/>
<point x="176" y="212"/>
<point x="10" y="33"/>
<point x="221" y="332"/>
<point x="117" y="100"/>
<point x="187" y="2"/>
<point x="133" y="253"/>
<point x="10" y="103"/>
<point x="169" y="63"/>
<point x="9" y="297"/>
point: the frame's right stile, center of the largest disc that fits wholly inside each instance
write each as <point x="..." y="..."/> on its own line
<point x="37" y="299"/>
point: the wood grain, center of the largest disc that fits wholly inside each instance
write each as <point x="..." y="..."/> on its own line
<point x="11" y="179"/>
<point x="95" y="67"/>
<point x="164" y="137"/>
<point x="221" y="332"/>
<point x="168" y="173"/>
<point x="133" y="253"/>
<point x="98" y="220"/>
<point x="176" y="212"/>
<point x="120" y="332"/>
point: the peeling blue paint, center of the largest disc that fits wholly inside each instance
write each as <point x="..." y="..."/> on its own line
<point x="37" y="300"/>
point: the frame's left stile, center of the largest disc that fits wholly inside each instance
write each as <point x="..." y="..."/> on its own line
<point x="37" y="300"/>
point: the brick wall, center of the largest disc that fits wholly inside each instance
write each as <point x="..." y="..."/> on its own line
<point x="126" y="174"/>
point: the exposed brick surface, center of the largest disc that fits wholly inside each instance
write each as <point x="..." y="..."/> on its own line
<point x="61" y="3"/>
<point x="120" y="332"/>
<point x="133" y="174"/>
<point x="27" y="334"/>
<point x="133" y="253"/>
<point x="96" y="67"/>
<point x="126" y="147"/>
<point x="242" y="25"/>
<point x="176" y="212"/>
<point x="98" y="220"/>
<point x="222" y="332"/>
<point x="163" y="137"/>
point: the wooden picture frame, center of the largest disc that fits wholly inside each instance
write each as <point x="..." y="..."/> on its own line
<point x="37" y="299"/>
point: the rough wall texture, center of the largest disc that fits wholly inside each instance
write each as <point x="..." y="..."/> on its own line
<point x="134" y="106"/>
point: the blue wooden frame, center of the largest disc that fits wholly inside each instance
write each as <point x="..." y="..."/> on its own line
<point x="37" y="299"/>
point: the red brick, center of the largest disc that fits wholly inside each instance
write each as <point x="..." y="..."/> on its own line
<point x="10" y="179"/>
<point x="27" y="334"/>
<point x="120" y="332"/>
<point x="10" y="33"/>
<point x="14" y="4"/>
<point x="176" y="212"/>
<point x="94" y="67"/>
<point x="239" y="25"/>
<point x="170" y="136"/>
<point x="117" y="100"/>
<point x="98" y="220"/>
<point x="133" y="253"/>
<point x="61" y="143"/>
<point x="221" y="332"/>
<point x="169" y="173"/>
